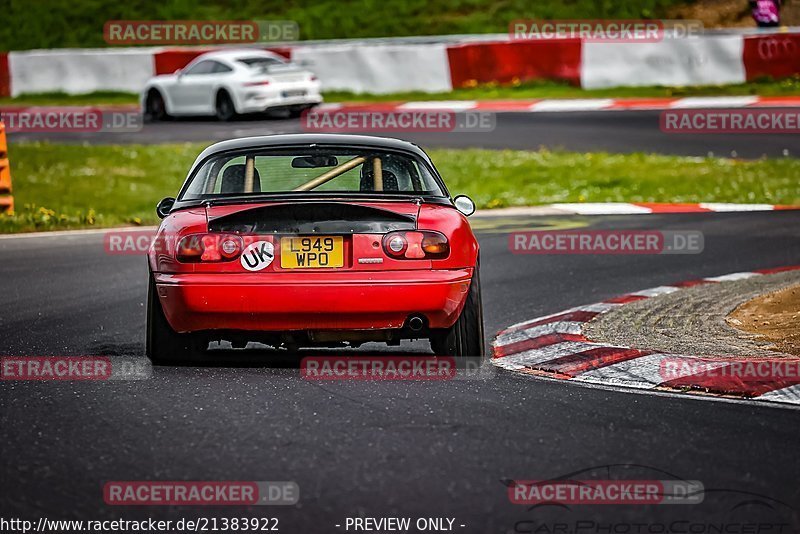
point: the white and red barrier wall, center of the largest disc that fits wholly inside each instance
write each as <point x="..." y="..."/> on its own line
<point x="386" y="67"/>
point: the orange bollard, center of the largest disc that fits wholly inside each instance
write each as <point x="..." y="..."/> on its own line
<point x="6" y="200"/>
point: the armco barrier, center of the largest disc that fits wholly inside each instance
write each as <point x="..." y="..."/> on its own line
<point x="437" y="64"/>
<point x="378" y="68"/>
<point x="80" y="70"/>
<point x="775" y="55"/>
<point x="6" y="201"/>
<point x="169" y="60"/>
<point x="5" y="77"/>
<point x="710" y="60"/>
<point x="507" y="62"/>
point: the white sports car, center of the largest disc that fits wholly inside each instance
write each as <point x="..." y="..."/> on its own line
<point x="229" y="82"/>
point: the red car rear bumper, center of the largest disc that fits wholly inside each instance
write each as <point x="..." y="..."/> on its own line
<point x="311" y="301"/>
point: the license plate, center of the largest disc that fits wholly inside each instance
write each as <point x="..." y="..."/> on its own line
<point x="287" y="94"/>
<point x="313" y="252"/>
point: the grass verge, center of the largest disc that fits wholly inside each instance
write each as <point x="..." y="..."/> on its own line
<point x="72" y="186"/>
<point x="543" y="89"/>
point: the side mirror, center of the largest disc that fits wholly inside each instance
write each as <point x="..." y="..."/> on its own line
<point x="164" y="207"/>
<point x="464" y="204"/>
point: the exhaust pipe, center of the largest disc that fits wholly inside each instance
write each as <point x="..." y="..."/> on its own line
<point x="416" y="323"/>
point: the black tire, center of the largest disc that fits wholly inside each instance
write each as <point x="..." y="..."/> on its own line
<point x="224" y="108"/>
<point x="297" y="111"/>
<point x="163" y="345"/>
<point x="465" y="337"/>
<point x="154" y="107"/>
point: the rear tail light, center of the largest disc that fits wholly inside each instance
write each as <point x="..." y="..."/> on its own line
<point x="424" y="244"/>
<point x="203" y="248"/>
<point x="254" y="84"/>
<point x="313" y="78"/>
<point x="435" y="245"/>
<point x="396" y="245"/>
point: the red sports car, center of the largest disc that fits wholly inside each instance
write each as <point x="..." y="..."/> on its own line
<point x="313" y="240"/>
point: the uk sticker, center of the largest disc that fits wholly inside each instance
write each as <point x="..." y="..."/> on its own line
<point x="258" y="256"/>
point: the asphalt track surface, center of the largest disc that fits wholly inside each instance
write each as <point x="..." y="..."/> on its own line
<point x="611" y="131"/>
<point x="412" y="449"/>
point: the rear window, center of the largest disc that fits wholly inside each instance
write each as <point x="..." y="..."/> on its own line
<point x="317" y="171"/>
<point x="260" y="62"/>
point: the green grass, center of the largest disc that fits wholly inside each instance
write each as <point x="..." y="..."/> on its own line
<point x="543" y="89"/>
<point x="66" y="23"/>
<point x="519" y="178"/>
<point x="74" y="186"/>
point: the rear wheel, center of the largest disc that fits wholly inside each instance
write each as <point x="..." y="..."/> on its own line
<point x="154" y="107"/>
<point x="224" y="108"/>
<point x="163" y="344"/>
<point x="297" y="111"/>
<point x="465" y="337"/>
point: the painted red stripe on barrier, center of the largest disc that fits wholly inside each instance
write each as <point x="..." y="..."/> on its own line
<point x="578" y="316"/>
<point x="5" y="76"/>
<point x="169" y="60"/>
<point x="581" y="362"/>
<point x="625" y="299"/>
<point x="777" y="101"/>
<point x="726" y="380"/>
<point x="377" y="106"/>
<point x="535" y="343"/>
<point x="643" y="103"/>
<point x="505" y="105"/>
<point x="778" y="269"/>
<point x="775" y="55"/>
<point x="515" y="61"/>
<point x="672" y="208"/>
